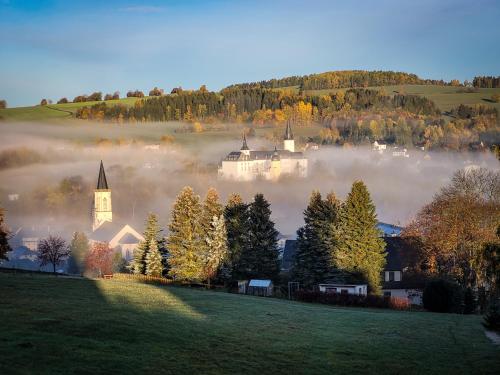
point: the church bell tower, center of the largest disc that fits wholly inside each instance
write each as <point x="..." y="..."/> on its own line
<point x="101" y="210"/>
<point x="288" y="142"/>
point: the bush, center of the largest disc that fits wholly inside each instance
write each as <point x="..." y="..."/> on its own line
<point x="495" y="98"/>
<point x="442" y="296"/>
<point x="353" y="300"/>
<point x="492" y="317"/>
<point x="62" y="101"/>
<point x="470" y="302"/>
<point x="3" y="104"/>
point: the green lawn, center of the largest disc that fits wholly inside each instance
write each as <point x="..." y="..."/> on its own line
<point x="54" y="325"/>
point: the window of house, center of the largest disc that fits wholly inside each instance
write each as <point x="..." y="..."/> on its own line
<point x="391" y="275"/>
<point x="344" y="291"/>
<point x="330" y="290"/>
<point x="387" y="294"/>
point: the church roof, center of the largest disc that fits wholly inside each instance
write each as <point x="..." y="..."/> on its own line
<point x="102" y="183"/>
<point x="288" y="132"/>
<point x="263" y="155"/>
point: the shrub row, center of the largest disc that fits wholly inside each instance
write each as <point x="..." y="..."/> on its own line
<point x="353" y="300"/>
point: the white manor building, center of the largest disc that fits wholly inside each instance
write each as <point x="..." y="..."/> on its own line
<point x="247" y="165"/>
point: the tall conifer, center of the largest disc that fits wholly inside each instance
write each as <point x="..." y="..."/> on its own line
<point x="186" y="237"/>
<point x="360" y="247"/>
<point x="152" y="232"/>
<point x="154" y="266"/>
<point x="215" y="251"/>
<point x="236" y="215"/>
<point x="79" y="248"/>
<point x="259" y="258"/>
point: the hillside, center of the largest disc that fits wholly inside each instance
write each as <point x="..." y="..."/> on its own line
<point x="116" y="326"/>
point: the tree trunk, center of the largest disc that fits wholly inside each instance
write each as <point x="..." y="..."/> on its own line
<point x="54" y="267"/>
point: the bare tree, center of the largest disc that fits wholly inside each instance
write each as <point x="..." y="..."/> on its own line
<point x="54" y="250"/>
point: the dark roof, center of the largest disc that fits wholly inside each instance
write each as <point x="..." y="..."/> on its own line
<point x="245" y="146"/>
<point x="129" y="239"/>
<point x="288" y="132"/>
<point x="393" y="248"/>
<point x="263" y="155"/>
<point x="409" y="281"/>
<point x="289" y="254"/>
<point x="102" y="184"/>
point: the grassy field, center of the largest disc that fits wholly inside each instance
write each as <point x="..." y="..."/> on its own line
<point x="53" y="111"/>
<point x="54" y="325"/>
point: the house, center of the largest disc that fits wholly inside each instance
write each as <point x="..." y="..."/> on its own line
<point x="260" y="288"/>
<point x="389" y="230"/>
<point x="248" y="165"/>
<point x="400" y="152"/>
<point x="379" y="147"/>
<point x="343" y="288"/>
<point x="397" y="281"/>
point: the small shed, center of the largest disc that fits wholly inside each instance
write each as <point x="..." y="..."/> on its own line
<point x="357" y="289"/>
<point x="260" y="287"/>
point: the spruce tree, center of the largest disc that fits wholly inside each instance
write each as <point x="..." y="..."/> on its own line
<point x="186" y="237"/>
<point x="259" y="258"/>
<point x="215" y="251"/>
<point x="313" y="259"/>
<point x="152" y="231"/>
<point x="4" y="239"/>
<point x="79" y="248"/>
<point x="236" y="216"/>
<point x="154" y="266"/>
<point x="359" y="247"/>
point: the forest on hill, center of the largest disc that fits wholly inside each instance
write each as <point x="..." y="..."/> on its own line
<point x="342" y="79"/>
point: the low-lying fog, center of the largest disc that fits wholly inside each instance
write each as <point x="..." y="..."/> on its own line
<point x="146" y="180"/>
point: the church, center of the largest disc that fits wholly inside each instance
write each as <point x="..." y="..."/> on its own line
<point x="248" y="165"/>
<point x="121" y="237"/>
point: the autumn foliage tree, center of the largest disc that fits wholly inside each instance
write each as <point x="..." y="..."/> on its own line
<point x="52" y="250"/>
<point x="99" y="260"/>
<point x="456" y="226"/>
<point x="4" y="243"/>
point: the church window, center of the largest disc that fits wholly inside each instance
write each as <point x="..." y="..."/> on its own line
<point x="104" y="204"/>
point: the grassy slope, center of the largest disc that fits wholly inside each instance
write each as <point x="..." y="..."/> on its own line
<point x="52" y="111"/>
<point x="54" y="325"/>
<point x="445" y="97"/>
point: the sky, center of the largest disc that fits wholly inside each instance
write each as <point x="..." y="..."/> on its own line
<point x="53" y="49"/>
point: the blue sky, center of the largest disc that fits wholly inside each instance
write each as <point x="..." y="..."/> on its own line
<point x="51" y="49"/>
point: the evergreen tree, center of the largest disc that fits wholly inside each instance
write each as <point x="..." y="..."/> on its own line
<point x="236" y="215"/>
<point x="315" y="240"/>
<point x="259" y="258"/>
<point x="215" y="251"/>
<point x="152" y="232"/>
<point x="186" y="235"/>
<point x="4" y="233"/>
<point x="359" y="248"/>
<point x="211" y="209"/>
<point x="79" y="248"/>
<point x="154" y="266"/>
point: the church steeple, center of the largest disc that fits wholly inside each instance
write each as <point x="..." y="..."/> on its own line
<point x="102" y="183"/>
<point x="288" y="132"/>
<point x="102" y="209"/>
<point x="244" y="148"/>
<point x="288" y="142"/>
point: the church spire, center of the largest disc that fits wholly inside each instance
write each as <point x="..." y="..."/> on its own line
<point x="245" y="146"/>
<point x="102" y="183"/>
<point x="288" y="132"/>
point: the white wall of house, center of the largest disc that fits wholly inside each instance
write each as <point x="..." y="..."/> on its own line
<point x="358" y="289"/>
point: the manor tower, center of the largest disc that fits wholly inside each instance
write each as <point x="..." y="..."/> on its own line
<point x="101" y="211"/>
<point x="288" y="142"/>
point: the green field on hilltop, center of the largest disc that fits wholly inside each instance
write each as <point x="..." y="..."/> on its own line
<point x="53" y="111"/>
<point x="445" y="97"/>
<point x="56" y="325"/>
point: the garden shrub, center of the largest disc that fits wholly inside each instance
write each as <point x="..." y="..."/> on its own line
<point x="492" y="317"/>
<point x="442" y="296"/>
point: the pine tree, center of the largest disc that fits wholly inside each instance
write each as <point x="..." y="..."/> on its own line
<point x="186" y="236"/>
<point x="211" y="208"/>
<point x="79" y="248"/>
<point x="4" y="233"/>
<point x="236" y="215"/>
<point x="154" y="266"/>
<point x="259" y="258"/>
<point x="152" y="231"/>
<point x="313" y="260"/>
<point x="359" y="247"/>
<point x="215" y="251"/>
